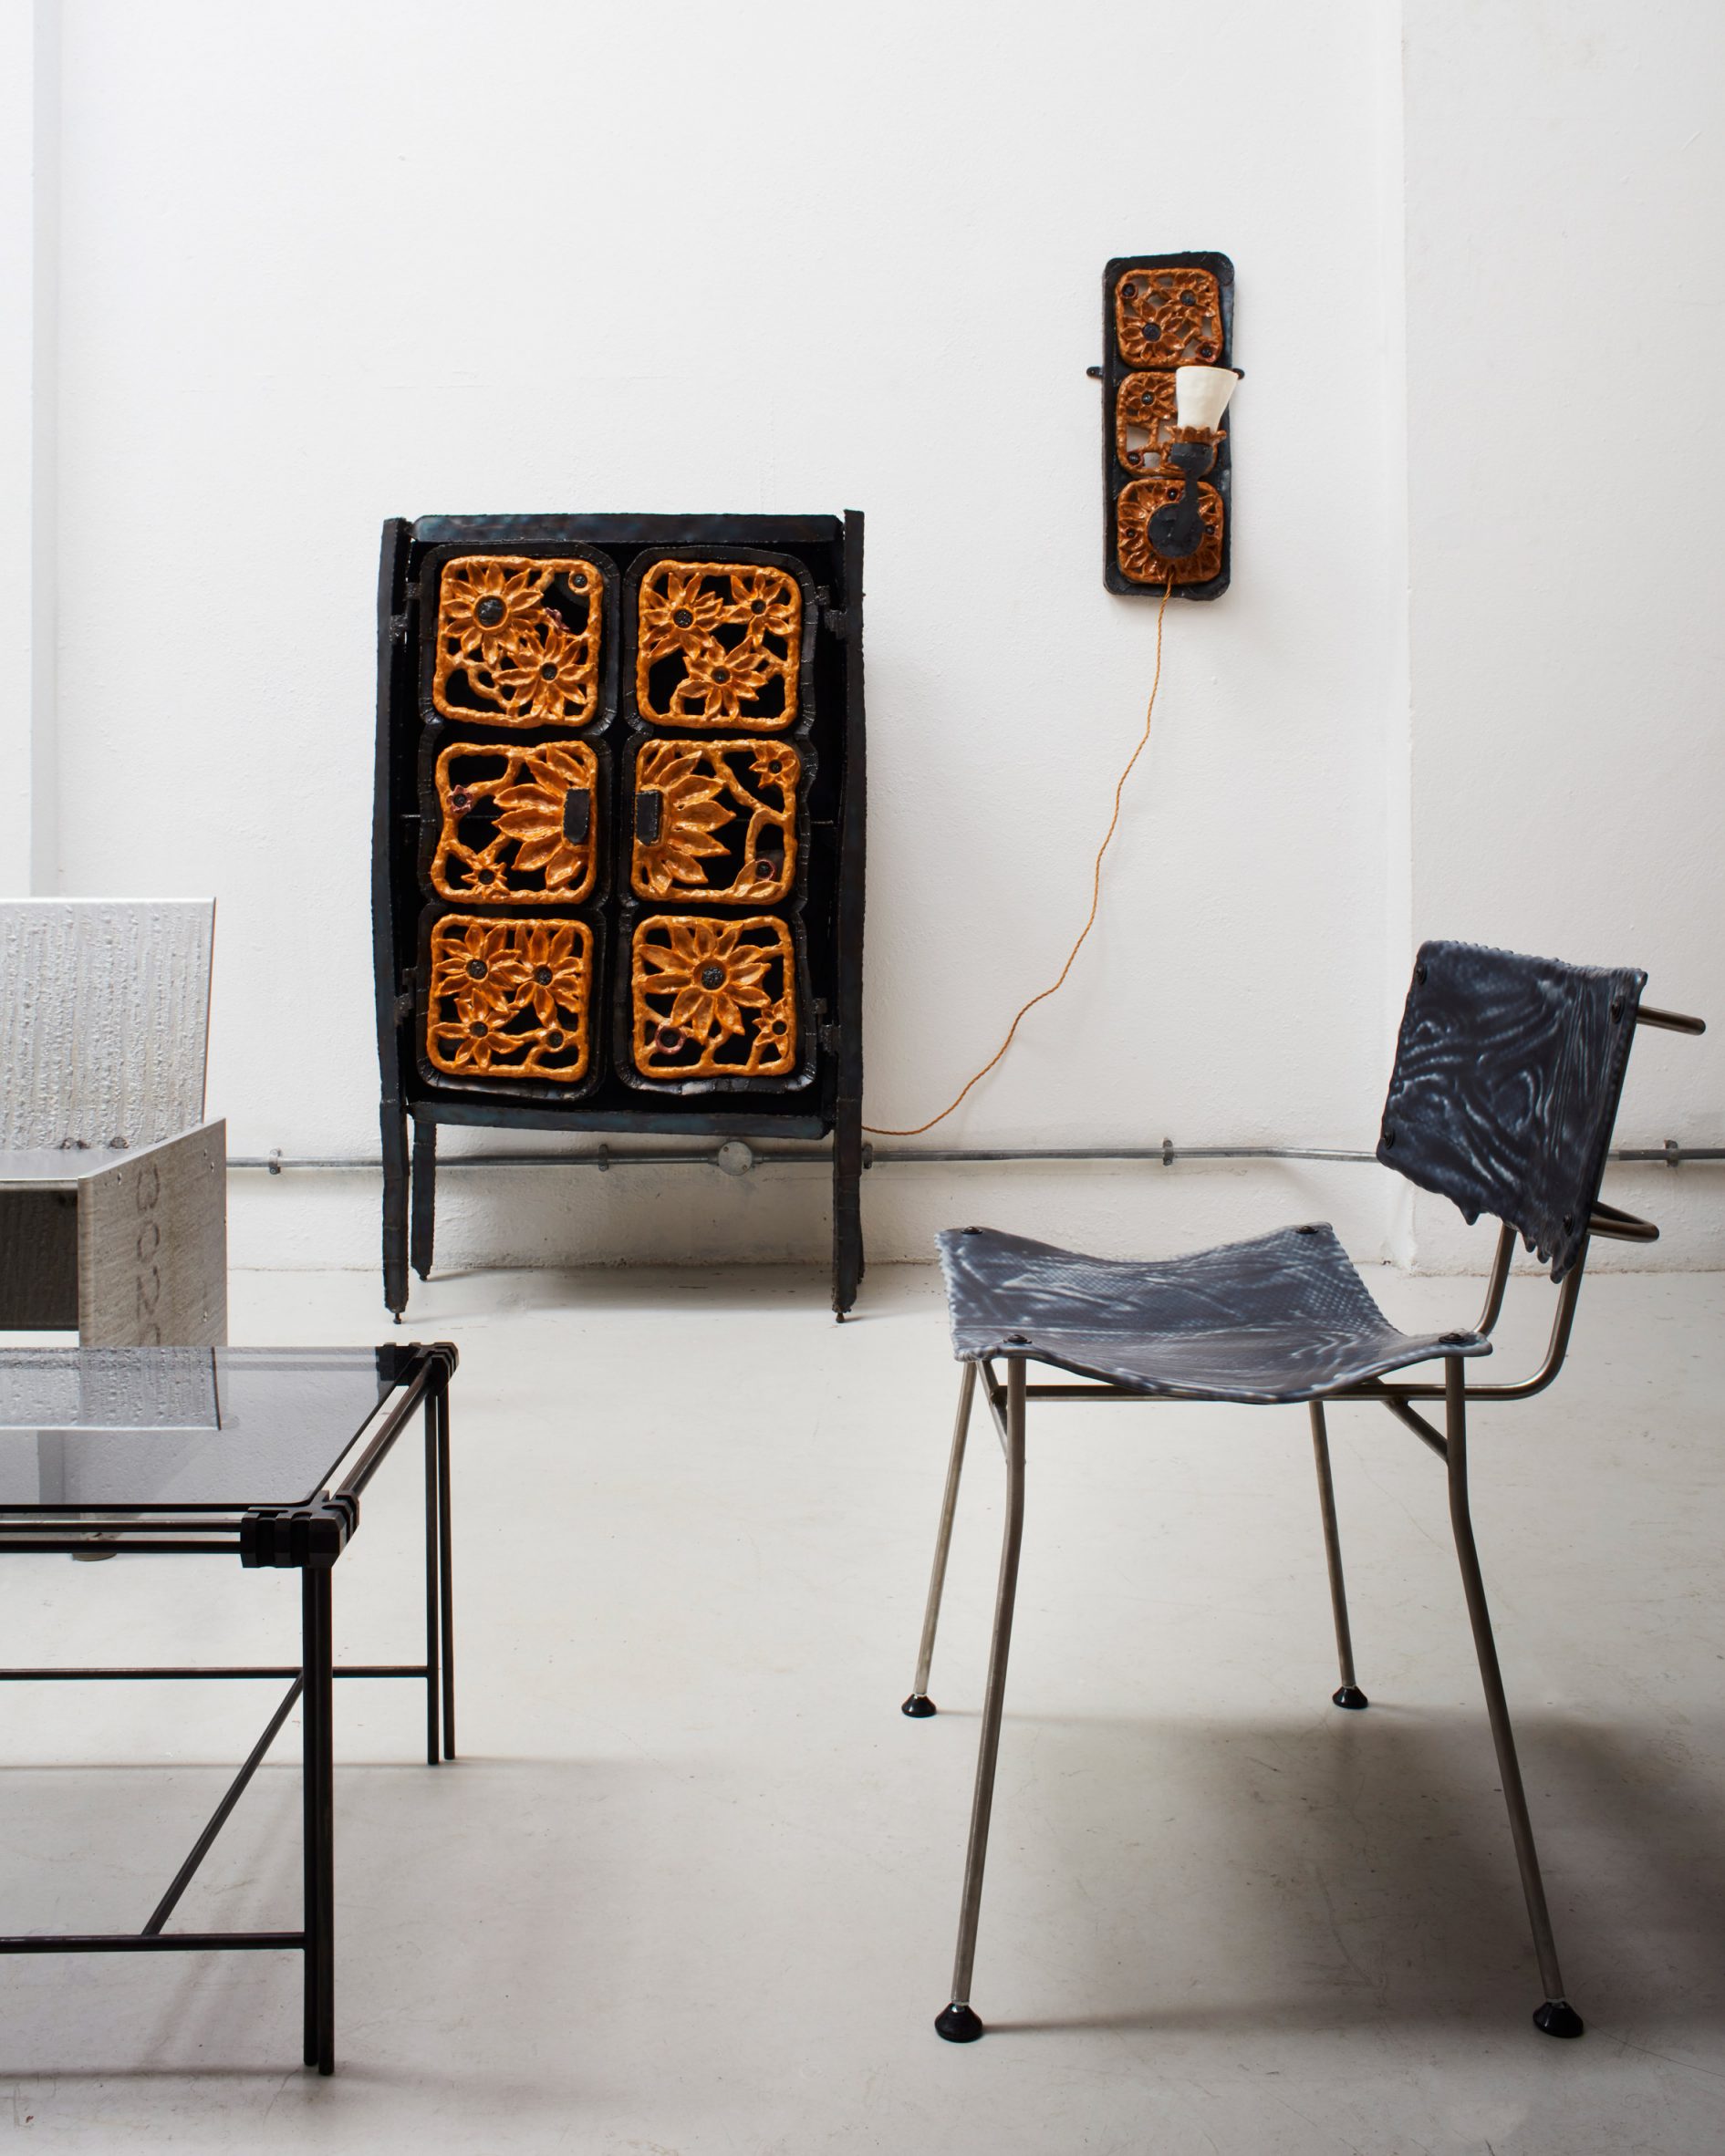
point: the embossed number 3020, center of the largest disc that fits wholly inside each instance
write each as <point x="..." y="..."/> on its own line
<point x="147" y="1195"/>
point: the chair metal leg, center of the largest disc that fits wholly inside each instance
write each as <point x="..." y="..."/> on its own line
<point x="957" y="2023"/>
<point x="1348" y="1694"/>
<point x="918" y="1705"/>
<point x="1556" y="2017"/>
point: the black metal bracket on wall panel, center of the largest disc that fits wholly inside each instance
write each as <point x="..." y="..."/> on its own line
<point x="1160" y="312"/>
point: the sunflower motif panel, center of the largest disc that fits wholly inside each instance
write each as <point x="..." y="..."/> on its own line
<point x="517" y="825"/>
<point x="716" y="819"/>
<point x="510" y="999"/>
<point x="1138" y="503"/>
<point x="1168" y="317"/>
<point x="713" y="999"/>
<point x="718" y="643"/>
<point x="517" y="642"/>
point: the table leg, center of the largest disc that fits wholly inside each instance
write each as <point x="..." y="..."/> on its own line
<point x="446" y="1586"/>
<point x="318" y="1771"/>
<point x="434" y="1598"/>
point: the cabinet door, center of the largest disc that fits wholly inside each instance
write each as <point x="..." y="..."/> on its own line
<point x="711" y="991"/>
<point x="518" y="670"/>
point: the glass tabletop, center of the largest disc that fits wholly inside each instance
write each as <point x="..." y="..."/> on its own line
<point x="197" y="1429"/>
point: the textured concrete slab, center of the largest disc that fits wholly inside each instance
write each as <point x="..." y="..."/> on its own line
<point x="104" y="1019"/>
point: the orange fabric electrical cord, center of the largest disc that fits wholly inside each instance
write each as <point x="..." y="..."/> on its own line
<point x="916" y="1129"/>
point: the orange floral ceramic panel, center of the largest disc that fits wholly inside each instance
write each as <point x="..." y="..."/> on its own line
<point x="719" y="644"/>
<point x="519" y="640"/>
<point x="510" y="999"/>
<point x="519" y="826"/>
<point x="716" y="819"/>
<point x="1168" y="317"/>
<point x="713" y="999"/>
<point x="1139" y="501"/>
<point x="1144" y="417"/>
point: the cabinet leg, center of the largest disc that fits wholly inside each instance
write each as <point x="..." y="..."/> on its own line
<point x="423" y="1234"/>
<point x="395" y="1207"/>
<point x="847" y="1238"/>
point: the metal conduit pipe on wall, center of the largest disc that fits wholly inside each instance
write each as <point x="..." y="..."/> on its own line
<point x="736" y="1158"/>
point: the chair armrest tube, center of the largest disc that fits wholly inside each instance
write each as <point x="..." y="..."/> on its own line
<point x="1670" y="1021"/>
<point x="1624" y="1227"/>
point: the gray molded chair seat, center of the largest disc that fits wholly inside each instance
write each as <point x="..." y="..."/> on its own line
<point x="1507" y="1077"/>
<point x="1284" y="1317"/>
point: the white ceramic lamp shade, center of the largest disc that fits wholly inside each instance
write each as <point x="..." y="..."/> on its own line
<point x="1201" y="394"/>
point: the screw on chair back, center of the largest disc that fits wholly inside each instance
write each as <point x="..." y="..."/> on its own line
<point x="1507" y="1077"/>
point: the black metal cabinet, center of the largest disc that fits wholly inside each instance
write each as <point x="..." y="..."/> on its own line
<point x="618" y="877"/>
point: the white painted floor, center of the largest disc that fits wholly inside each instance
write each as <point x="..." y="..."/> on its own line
<point x="691" y="1887"/>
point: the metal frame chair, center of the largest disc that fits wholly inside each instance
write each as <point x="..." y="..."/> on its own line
<point x="1507" y="1074"/>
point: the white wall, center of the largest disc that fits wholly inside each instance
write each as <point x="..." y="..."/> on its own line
<point x="29" y="200"/>
<point x="1565" y="177"/>
<point x="321" y="265"/>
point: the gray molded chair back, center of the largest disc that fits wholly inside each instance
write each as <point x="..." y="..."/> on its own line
<point x="104" y="1019"/>
<point x="112" y="1186"/>
<point x="1506" y="1088"/>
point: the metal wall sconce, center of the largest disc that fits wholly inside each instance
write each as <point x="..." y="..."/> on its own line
<point x="1167" y="469"/>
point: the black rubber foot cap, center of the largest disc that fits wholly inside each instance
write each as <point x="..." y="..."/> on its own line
<point x="919" y="1706"/>
<point x="396" y="1320"/>
<point x="1557" y="2017"/>
<point x="957" y="2024"/>
<point x="1350" y="1695"/>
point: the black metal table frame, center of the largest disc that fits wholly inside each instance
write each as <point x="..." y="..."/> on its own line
<point x="308" y="1537"/>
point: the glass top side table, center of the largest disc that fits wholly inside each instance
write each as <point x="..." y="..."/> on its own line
<point x="206" y="1451"/>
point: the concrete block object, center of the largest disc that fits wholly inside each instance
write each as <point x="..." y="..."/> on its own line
<point x="113" y="1209"/>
